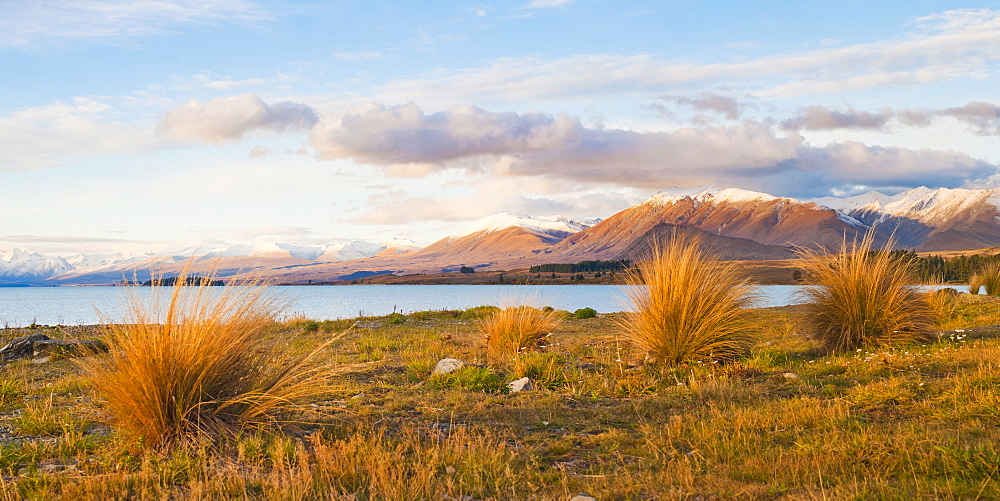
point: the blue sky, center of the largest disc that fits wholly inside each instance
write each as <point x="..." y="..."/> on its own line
<point x="152" y="125"/>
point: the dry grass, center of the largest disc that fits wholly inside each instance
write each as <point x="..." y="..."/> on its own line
<point x="691" y="308"/>
<point x="195" y="363"/>
<point x="988" y="277"/>
<point x="863" y="297"/>
<point x="975" y="284"/>
<point x="517" y="329"/>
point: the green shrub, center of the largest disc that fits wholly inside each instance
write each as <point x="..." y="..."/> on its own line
<point x="585" y="313"/>
<point x="471" y="378"/>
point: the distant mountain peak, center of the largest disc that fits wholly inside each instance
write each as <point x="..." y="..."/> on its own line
<point x="708" y="193"/>
<point x="504" y="220"/>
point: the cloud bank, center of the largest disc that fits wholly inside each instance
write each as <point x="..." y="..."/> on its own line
<point x="228" y="119"/>
<point x="406" y="141"/>
<point x="37" y="22"/>
<point x="750" y="154"/>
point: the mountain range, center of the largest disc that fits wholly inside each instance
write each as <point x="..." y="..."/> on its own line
<point x="738" y="224"/>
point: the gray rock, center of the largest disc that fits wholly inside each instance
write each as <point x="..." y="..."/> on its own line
<point x="22" y="347"/>
<point x="583" y="497"/>
<point x="67" y="348"/>
<point x="523" y="384"/>
<point x="447" y="366"/>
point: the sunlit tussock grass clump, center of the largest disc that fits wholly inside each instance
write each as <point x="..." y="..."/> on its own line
<point x="988" y="277"/>
<point x="516" y="329"/>
<point x="692" y="307"/>
<point x="863" y="297"/>
<point x="196" y="364"/>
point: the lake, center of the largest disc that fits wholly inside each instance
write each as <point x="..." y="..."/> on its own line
<point x="20" y="306"/>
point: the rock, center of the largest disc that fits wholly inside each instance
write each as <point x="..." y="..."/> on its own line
<point x="523" y="384"/>
<point x="790" y="375"/>
<point x="447" y="366"/>
<point x="583" y="497"/>
<point x="22" y="347"/>
<point x="67" y="348"/>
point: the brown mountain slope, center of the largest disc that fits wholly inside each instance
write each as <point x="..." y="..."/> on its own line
<point x="767" y="221"/>
<point x="725" y="248"/>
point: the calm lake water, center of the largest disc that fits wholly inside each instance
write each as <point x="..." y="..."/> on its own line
<point x="20" y="306"/>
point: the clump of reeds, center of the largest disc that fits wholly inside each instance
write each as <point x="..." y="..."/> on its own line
<point x="988" y="277"/>
<point x="195" y="363"/>
<point x="863" y="297"/>
<point x="975" y="283"/>
<point x="687" y="305"/>
<point x="517" y="329"/>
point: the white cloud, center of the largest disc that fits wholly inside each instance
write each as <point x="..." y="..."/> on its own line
<point x="820" y="118"/>
<point x="31" y="23"/>
<point x="233" y="84"/>
<point x="953" y="45"/>
<point x="404" y="140"/>
<point x="227" y="119"/>
<point x="983" y="118"/>
<point x="545" y="4"/>
<point x="45" y="136"/>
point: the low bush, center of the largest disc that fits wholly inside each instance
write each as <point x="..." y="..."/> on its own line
<point x="585" y="313"/>
<point x="471" y="378"/>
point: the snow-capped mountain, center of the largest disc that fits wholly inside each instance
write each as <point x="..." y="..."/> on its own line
<point x="23" y="266"/>
<point x="556" y="226"/>
<point x="740" y="218"/>
<point x="926" y="219"/>
<point x="740" y="224"/>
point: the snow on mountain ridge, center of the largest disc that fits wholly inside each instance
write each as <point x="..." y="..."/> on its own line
<point x="921" y="204"/>
<point x="506" y="220"/>
<point x="706" y="193"/>
<point x="24" y="265"/>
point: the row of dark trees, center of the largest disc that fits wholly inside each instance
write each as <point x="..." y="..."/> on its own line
<point x="581" y="267"/>
<point x="958" y="269"/>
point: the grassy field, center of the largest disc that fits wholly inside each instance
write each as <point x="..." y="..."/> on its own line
<point x="786" y="422"/>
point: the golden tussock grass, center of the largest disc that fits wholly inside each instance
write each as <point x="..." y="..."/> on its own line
<point x="691" y="307"/>
<point x="863" y="297"/>
<point x="513" y="330"/>
<point x="988" y="277"/>
<point x="193" y="362"/>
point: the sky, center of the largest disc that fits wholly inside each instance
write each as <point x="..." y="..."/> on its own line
<point x="159" y="125"/>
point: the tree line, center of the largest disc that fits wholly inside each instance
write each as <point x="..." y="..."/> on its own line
<point x="581" y="267"/>
<point x="934" y="269"/>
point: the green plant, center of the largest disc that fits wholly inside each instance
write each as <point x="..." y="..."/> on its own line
<point x="862" y="297"/>
<point x="11" y="391"/>
<point x="585" y="313"/>
<point x="196" y="363"/>
<point x="471" y="378"/>
<point x="516" y="329"/>
<point x="686" y="305"/>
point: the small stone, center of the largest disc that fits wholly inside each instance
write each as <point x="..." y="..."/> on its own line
<point x="583" y="497"/>
<point x="447" y="366"/>
<point x="790" y="375"/>
<point x="523" y="384"/>
<point x="450" y="470"/>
